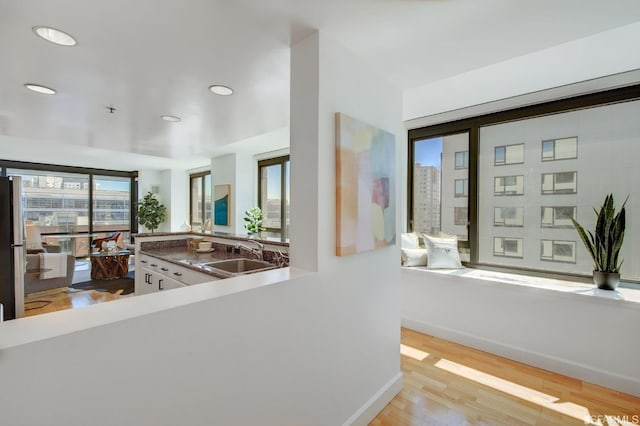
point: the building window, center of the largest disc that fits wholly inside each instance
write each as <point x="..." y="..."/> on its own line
<point x="558" y="251"/>
<point x="462" y="160"/>
<point x="557" y="217"/>
<point x="560" y="149"/>
<point x="460" y="216"/>
<point x="509" y="154"/>
<point x="508" y="216"/>
<point x="508" y="247"/>
<point x="273" y="194"/>
<point x="200" y="201"/>
<point x="560" y="183"/>
<point x="508" y="185"/>
<point x="462" y="187"/>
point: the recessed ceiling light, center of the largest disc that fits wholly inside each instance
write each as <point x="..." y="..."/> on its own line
<point x="40" y="89"/>
<point x="220" y="90"/>
<point x="171" y="118"/>
<point x="55" y="36"/>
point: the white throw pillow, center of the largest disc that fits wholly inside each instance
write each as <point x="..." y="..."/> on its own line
<point x="409" y="240"/>
<point x="442" y="252"/>
<point x="413" y="257"/>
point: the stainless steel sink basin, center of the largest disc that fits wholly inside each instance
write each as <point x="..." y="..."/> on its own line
<point x="240" y="266"/>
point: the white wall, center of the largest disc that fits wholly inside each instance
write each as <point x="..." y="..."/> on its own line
<point x="223" y="172"/>
<point x="588" y="58"/>
<point x="584" y="337"/>
<point x="321" y="349"/>
<point x="360" y="290"/>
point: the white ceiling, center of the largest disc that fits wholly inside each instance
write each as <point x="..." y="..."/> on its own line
<point x="150" y="57"/>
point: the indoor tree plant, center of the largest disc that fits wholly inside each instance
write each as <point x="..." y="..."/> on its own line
<point x="151" y="213"/>
<point x="604" y="243"/>
<point x="253" y="220"/>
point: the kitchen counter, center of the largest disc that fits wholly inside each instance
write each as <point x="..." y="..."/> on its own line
<point x="190" y="259"/>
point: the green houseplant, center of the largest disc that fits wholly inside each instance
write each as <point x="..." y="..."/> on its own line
<point x="253" y="220"/>
<point x="604" y="244"/>
<point x="151" y="213"/>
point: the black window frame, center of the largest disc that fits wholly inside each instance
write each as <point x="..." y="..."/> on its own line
<point x="201" y="176"/>
<point x="472" y="125"/>
<point x="92" y="173"/>
<point x="281" y="160"/>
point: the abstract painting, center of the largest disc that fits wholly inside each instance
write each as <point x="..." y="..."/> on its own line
<point x="221" y="204"/>
<point x="365" y="187"/>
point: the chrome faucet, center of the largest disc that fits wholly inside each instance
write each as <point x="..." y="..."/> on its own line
<point x="257" y="251"/>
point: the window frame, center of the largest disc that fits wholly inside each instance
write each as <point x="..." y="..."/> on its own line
<point x="6" y="165"/>
<point x="203" y="196"/>
<point x="472" y="125"/>
<point x="281" y="160"/>
<point x="506" y="148"/>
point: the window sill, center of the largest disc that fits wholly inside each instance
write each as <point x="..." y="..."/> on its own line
<point x="625" y="295"/>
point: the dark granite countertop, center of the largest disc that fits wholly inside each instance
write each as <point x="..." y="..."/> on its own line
<point x="189" y="259"/>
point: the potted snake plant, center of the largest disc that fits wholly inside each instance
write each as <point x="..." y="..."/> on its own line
<point x="604" y="244"/>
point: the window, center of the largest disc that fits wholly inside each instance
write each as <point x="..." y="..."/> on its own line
<point x="273" y="195"/>
<point x="558" y="251"/>
<point x="73" y="205"/>
<point x="519" y="213"/>
<point x="560" y="149"/>
<point x="200" y="201"/>
<point x="462" y="187"/>
<point x="440" y="190"/>
<point x="560" y="183"/>
<point x="508" y="247"/>
<point x="557" y="217"/>
<point x="462" y="160"/>
<point x="508" y="185"/>
<point x="460" y="216"/>
<point x="508" y="216"/>
<point x="509" y="154"/>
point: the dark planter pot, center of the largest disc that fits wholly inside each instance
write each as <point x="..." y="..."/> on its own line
<point x="606" y="280"/>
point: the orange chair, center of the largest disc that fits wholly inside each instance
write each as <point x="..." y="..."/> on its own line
<point x="99" y="241"/>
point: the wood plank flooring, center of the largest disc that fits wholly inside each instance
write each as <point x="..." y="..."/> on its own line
<point x="450" y="384"/>
<point x="64" y="298"/>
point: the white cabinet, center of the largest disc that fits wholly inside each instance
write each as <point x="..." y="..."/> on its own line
<point x="153" y="274"/>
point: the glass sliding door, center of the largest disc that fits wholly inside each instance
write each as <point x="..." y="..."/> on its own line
<point x="111" y="206"/>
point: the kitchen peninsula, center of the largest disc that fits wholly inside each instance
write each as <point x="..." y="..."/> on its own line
<point x="172" y="260"/>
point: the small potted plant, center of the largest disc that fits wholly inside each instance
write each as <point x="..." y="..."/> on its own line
<point x="604" y="243"/>
<point x="253" y="220"/>
<point x="151" y="213"/>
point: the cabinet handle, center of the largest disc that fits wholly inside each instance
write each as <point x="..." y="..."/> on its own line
<point x="177" y="274"/>
<point x="143" y="261"/>
<point x="160" y="284"/>
<point x="164" y="269"/>
<point x="154" y="265"/>
<point x="146" y="278"/>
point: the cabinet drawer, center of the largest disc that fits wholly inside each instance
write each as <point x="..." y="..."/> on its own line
<point x="190" y="277"/>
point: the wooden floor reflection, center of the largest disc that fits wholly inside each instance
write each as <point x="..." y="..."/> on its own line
<point x="58" y="299"/>
<point x="450" y="384"/>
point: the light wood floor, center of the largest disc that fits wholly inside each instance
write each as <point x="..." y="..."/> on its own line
<point x="449" y="384"/>
<point x="64" y="298"/>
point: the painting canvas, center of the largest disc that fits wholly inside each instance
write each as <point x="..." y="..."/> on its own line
<point x="365" y="187"/>
<point x="221" y="204"/>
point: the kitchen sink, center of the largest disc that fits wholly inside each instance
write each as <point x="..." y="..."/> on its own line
<point x="240" y="265"/>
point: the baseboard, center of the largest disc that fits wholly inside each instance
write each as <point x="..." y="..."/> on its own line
<point x="377" y="402"/>
<point x="566" y="367"/>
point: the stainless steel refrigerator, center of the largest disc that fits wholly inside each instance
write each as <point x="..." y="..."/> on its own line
<point x="12" y="248"/>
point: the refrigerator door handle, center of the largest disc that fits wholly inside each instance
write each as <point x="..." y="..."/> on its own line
<point x="18" y="220"/>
